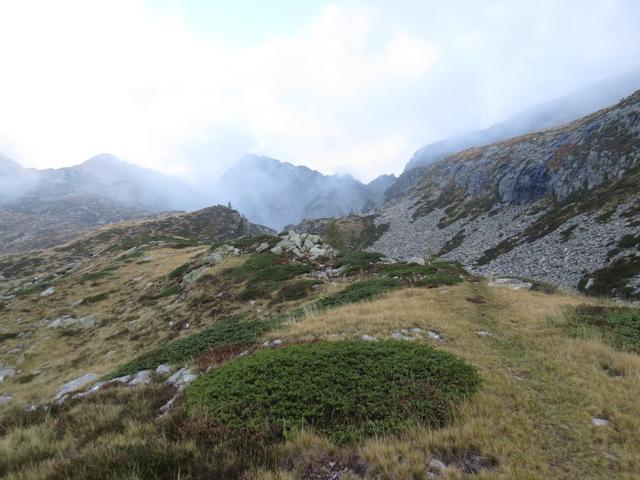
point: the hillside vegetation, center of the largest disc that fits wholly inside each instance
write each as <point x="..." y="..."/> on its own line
<point x="264" y="357"/>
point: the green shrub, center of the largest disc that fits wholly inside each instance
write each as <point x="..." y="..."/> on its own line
<point x="229" y="331"/>
<point x="406" y="270"/>
<point x="170" y="291"/>
<point x="295" y="291"/>
<point x="265" y="273"/>
<point x="180" y="272"/>
<point x="617" y="326"/>
<point x="344" y="389"/>
<point x="267" y="267"/>
<point x="438" y="279"/>
<point x="359" y="291"/>
<point x="91" y="277"/>
<point x="357" y="260"/>
<point x="96" y="298"/>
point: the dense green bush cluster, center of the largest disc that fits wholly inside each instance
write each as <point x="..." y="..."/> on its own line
<point x="264" y="273"/>
<point x="296" y="290"/>
<point x="344" y="389"/>
<point x="359" y="291"/>
<point x="618" y="326"/>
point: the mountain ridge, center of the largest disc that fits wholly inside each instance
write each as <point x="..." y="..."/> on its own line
<point x="526" y="205"/>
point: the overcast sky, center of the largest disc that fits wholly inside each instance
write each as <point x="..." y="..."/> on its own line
<point x="354" y="86"/>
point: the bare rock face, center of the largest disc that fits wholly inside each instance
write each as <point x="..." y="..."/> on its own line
<point x="560" y="206"/>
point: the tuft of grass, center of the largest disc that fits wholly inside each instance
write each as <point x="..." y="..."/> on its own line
<point x="617" y="326"/>
<point x="344" y="389"/>
<point x="228" y="331"/>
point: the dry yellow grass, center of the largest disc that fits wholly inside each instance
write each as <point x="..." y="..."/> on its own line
<point x="540" y="387"/>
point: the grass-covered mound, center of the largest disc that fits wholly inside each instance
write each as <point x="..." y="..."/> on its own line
<point x="344" y="389"/>
<point x="617" y="326"/>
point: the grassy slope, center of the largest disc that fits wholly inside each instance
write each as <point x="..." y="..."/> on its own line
<point x="540" y="385"/>
<point x="540" y="388"/>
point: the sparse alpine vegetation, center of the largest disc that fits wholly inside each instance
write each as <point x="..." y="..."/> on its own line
<point x="343" y="389"/>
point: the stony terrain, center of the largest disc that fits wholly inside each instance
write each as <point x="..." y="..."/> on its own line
<point x="561" y="206"/>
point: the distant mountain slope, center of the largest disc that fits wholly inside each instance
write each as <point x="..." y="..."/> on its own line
<point x="205" y="226"/>
<point x="276" y="194"/>
<point x="561" y="205"/>
<point x="41" y="208"/>
<point x="540" y="117"/>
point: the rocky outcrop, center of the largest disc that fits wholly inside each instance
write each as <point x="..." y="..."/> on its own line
<point x="303" y="245"/>
<point x="352" y="231"/>
<point x="559" y="206"/>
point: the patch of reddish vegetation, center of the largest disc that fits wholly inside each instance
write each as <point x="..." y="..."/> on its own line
<point x="559" y="155"/>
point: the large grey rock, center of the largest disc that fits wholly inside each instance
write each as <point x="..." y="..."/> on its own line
<point x="510" y="283"/>
<point x="263" y="247"/>
<point x="75" y="385"/>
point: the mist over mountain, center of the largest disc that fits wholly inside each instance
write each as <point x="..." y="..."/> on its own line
<point x="40" y="208"/>
<point x="539" y="117"/>
<point x="273" y="193"/>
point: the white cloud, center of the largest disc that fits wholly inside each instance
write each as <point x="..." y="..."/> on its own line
<point x="358" y="89"/>
<point x="84" y="77"/>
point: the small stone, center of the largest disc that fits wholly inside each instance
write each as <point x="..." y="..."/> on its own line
<point x="5" y="398"/>
<point x="416" y="261"/>
<point x="437" y="464"/>
<point x="483" y="333"/>
<point x="147" y="259"/>
<point x="368" y="338"/>
<point x="600" y="422"/>
<point x="434" y="335"/>
<point x="589" y="284"/>
<point x="277" y="341"/>
<point x="6" y="372"/>
<point x="47" y="292"/>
